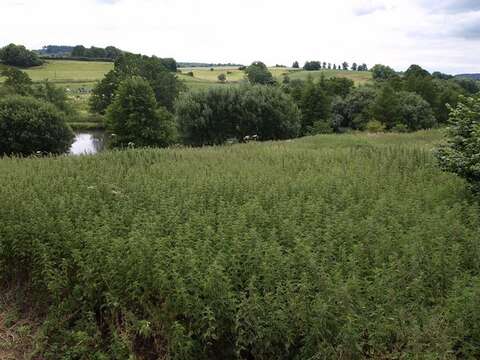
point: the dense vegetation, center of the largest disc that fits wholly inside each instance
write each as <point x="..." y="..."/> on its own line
<point x="212" y="117"/>
<point x="135" y="119"/>
<point x="409" y="102"/>
<point x="461" y="154"/>
<point x="18" y="55"/>
<point x="29" y="126"/>
<point x="158" y="72"/>
<point x="347" y="246"/>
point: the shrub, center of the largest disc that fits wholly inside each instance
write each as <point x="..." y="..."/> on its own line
<point x="211" y="117"/>
<point x="461" y="154"/>
<point x="29" y="126"/>
<point x="222" y="78"/>
<point x="134" y="118"/>
<point x="375" y="126"/>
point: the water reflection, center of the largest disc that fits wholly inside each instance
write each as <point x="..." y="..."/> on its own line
<point x="88" y="143"/>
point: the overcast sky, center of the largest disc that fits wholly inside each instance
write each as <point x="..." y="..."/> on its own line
<point x="437" y="34"/>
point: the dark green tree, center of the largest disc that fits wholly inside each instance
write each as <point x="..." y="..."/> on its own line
<point x="17" y="81"/>
<point x="164" y="82"/>
<point x="345" y="66"/>
<point x="134" y="117"/>
<point x="18" y="55"/>
<point x="382" y="72"/>
<point x="295" y="65"/>
<point x="386" y="107"/>
<point x="258" y="73"/>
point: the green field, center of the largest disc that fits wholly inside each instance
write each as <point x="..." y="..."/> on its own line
<point x="73" y="74"/>
<point x="328" y="247"/>
<point x="84" y="74"/>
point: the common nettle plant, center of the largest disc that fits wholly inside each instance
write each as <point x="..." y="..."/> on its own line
<point x="328" y="247"/>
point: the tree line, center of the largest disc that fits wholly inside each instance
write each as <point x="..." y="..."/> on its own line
<point x="318" y="65"/>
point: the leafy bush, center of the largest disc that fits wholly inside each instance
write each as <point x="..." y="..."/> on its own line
<point x="375" y="126"/>
<point x="461" y="153"/>
<point x="211" y="117"/>
<point x="28" y="126"/>
<point x="134" y="117"/>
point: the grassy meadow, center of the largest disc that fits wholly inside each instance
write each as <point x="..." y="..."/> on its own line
<point x="329" y="247"/>
<point x="84" y="74"/>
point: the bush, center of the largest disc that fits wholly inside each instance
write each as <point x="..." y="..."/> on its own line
<point x="211" y="117"/>
<point x="135" y="119"/>
<point x="222" y="78"/>
<point x="375" y="126"/>
<point x="461" y="154"/>
<point x="29" y="126"/>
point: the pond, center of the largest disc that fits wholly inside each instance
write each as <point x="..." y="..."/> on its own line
<point x="88" y="143"/>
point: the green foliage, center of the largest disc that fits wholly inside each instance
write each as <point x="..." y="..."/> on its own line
<point x="315" y="104"/>
<point x="375" y="126"/>
<point x="18" y="55"/>
<point x="134" y="118"/>
<point x="17" y="81"/>
<point x="414" y="112"/>
<point x="211" y="117"/>
<point x="258" y="73"/>
<point x="382" y="72"/>
<point x="337" y="246"/>
<point x="312" y="66"/>
<point x="29" y="126"/>
<point x="461" y="154"/>
<point x="222" y="77"/>
<point x="295" y="65"/>
<point x="54" y="95"/>
<point x="356" y="109"/>
<point x="164" y="82"/>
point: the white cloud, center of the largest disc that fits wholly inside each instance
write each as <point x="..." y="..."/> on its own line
<point x="392" y="32"/>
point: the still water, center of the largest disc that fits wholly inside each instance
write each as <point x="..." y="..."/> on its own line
<point x="88" y="143"/>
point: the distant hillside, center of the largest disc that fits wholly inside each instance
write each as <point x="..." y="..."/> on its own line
<point x="469" y="76"/>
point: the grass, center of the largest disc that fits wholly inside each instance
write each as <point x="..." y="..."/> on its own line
<point x="76" y="75"/>
<point x="72" y="74"/>
<point x="328" y="247"/>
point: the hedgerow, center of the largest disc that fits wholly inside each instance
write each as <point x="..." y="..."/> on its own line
<point x="327" y="247"/>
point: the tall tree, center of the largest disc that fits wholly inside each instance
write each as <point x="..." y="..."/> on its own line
<point x="134" y="116"/>
<point x="164" y="82"/>
<point x="345" y="65"/>
<point x="295" y="65"/>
